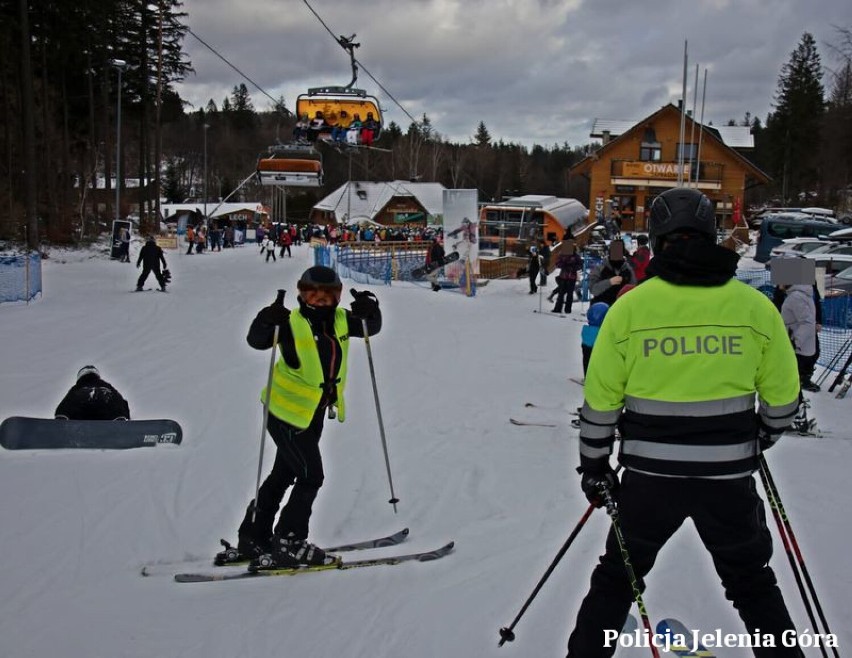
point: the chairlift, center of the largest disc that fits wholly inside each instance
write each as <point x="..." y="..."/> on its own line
<point x="336" y="103"/>
<point x="291" y="165"/>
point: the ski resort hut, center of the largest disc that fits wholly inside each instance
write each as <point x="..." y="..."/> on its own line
<point x="521" y="220"/>
<point x="391" y="203"/>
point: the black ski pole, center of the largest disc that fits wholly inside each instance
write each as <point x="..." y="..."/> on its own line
<point x="612" y="510"/>
<point x="834" y="361"/>
<point x="791" y="546"/>
<point x="841" y="374"/>
<point x="393" y="499"/>
<point x="279" y="300"/>
<point x="507" y="632"/>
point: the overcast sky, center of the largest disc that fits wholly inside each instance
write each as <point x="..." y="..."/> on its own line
<point x="535" y="71"/>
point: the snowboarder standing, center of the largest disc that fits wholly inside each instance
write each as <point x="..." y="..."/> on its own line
<point x="677" y="366"/>
<point x="91" y="398"/>
<point x="435" y="256"/>
<point x="150" y="257"/>
<point x="308" y="382"/>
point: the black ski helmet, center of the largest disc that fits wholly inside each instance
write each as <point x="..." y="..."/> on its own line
<point x="319" y="276"/>
<point x="87" y="370"/>
<point x="681" y="209"/>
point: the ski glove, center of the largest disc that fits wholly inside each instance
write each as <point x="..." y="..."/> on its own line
<point x="592" y="481"/>
<point x="274" y="314"/>
<point x="766" y="438"/>
<point x="365" y="304"/>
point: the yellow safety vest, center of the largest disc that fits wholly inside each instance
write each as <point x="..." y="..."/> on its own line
<point x="296" y="392"/>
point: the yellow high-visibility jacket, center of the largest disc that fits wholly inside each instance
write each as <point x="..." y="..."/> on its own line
<point x="685" y="363"/>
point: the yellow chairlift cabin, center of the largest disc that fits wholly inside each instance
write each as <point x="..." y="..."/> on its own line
<point x="339" y="106"/>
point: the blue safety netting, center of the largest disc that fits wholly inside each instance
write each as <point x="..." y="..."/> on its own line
<point x="20" y="277"/>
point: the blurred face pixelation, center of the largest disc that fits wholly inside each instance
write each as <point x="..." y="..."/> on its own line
<point x="616" y="250"/>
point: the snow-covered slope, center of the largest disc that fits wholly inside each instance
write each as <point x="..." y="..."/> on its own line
<point x="78" y="525"/>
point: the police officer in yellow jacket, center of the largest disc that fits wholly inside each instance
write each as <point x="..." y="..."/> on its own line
<point x="696" y="370"/>
<point x="308" y="383"/>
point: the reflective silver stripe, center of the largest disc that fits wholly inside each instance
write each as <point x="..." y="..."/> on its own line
<point x="732" y="476"/>
<point x="600" y="417"/>
<point x="594" y="453"/>
<point x="779" y="416"/>
<point x="589" y="431"/>
<point x="700" y="409"/>
<point x="688" y="453"/>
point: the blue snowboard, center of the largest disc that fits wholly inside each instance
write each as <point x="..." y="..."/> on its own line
<point x="20" y="433"/>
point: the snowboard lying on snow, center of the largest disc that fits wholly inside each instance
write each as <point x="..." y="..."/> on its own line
<point x="20" y="433"/>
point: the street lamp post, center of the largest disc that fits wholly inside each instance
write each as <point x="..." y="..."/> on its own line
<point x="119" y="65"/>
<point x="206" y="221"/>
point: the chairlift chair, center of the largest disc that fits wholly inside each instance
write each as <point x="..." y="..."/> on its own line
<point x="291" y="165"/>
<point x="331" y="101"/>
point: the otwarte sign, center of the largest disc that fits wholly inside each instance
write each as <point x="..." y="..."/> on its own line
<point x="664" y="170"/>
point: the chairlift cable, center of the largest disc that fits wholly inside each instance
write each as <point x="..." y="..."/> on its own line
<point x="279" y="107"/>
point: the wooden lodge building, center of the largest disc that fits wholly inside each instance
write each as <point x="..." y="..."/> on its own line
<point x="639" y="159"/>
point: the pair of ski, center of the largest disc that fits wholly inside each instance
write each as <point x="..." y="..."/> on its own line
<point x="673" y="629"/>
<point x="389" y="540"/>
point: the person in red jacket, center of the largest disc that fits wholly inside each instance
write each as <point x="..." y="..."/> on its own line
<point x="640" y="258"/>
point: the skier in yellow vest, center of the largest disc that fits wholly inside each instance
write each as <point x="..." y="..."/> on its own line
<point x="308" y="383"/>
<point x="696" y="370"/>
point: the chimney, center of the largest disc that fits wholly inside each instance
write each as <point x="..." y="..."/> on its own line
<point x="605" y="137"/>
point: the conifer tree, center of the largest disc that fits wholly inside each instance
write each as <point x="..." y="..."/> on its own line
<point x="793" y="129"/>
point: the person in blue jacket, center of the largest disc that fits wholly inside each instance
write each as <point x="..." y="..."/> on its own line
<point x="589" y="333"/>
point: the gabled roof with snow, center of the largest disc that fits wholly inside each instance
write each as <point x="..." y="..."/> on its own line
<point x="214" y="209"/>
<point x="566" y="211"/>
<point x="735" y="137"/>
<point x="367" y="199"/>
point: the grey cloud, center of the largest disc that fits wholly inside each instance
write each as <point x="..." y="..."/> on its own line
<point x="535" y="71"/>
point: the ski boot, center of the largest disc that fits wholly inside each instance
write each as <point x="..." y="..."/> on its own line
<point x="245" y="551"/>
<point x="801" y="423"/>
<point x="289" y="552"/>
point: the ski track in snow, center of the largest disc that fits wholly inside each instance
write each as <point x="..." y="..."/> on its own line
<point x="450" y="371"/>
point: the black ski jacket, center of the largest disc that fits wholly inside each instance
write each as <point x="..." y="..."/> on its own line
<point x="91" y="398"/>
<point x="152" y="255"/>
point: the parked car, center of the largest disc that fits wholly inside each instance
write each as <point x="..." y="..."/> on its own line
<point x="775" y="228"/>
<point x="798" y="247"/>
<point x="833" y="264"/>
<point x="840" y="284"/>
<point x="755" y="220"/>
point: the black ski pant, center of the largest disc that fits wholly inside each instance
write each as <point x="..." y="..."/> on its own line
<point x="298" y="463"/>
<point x="146" y="270"/>
<point x="533" y="275"/>
<point x="731" y="522"/>
<point x="564" y="295"/>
